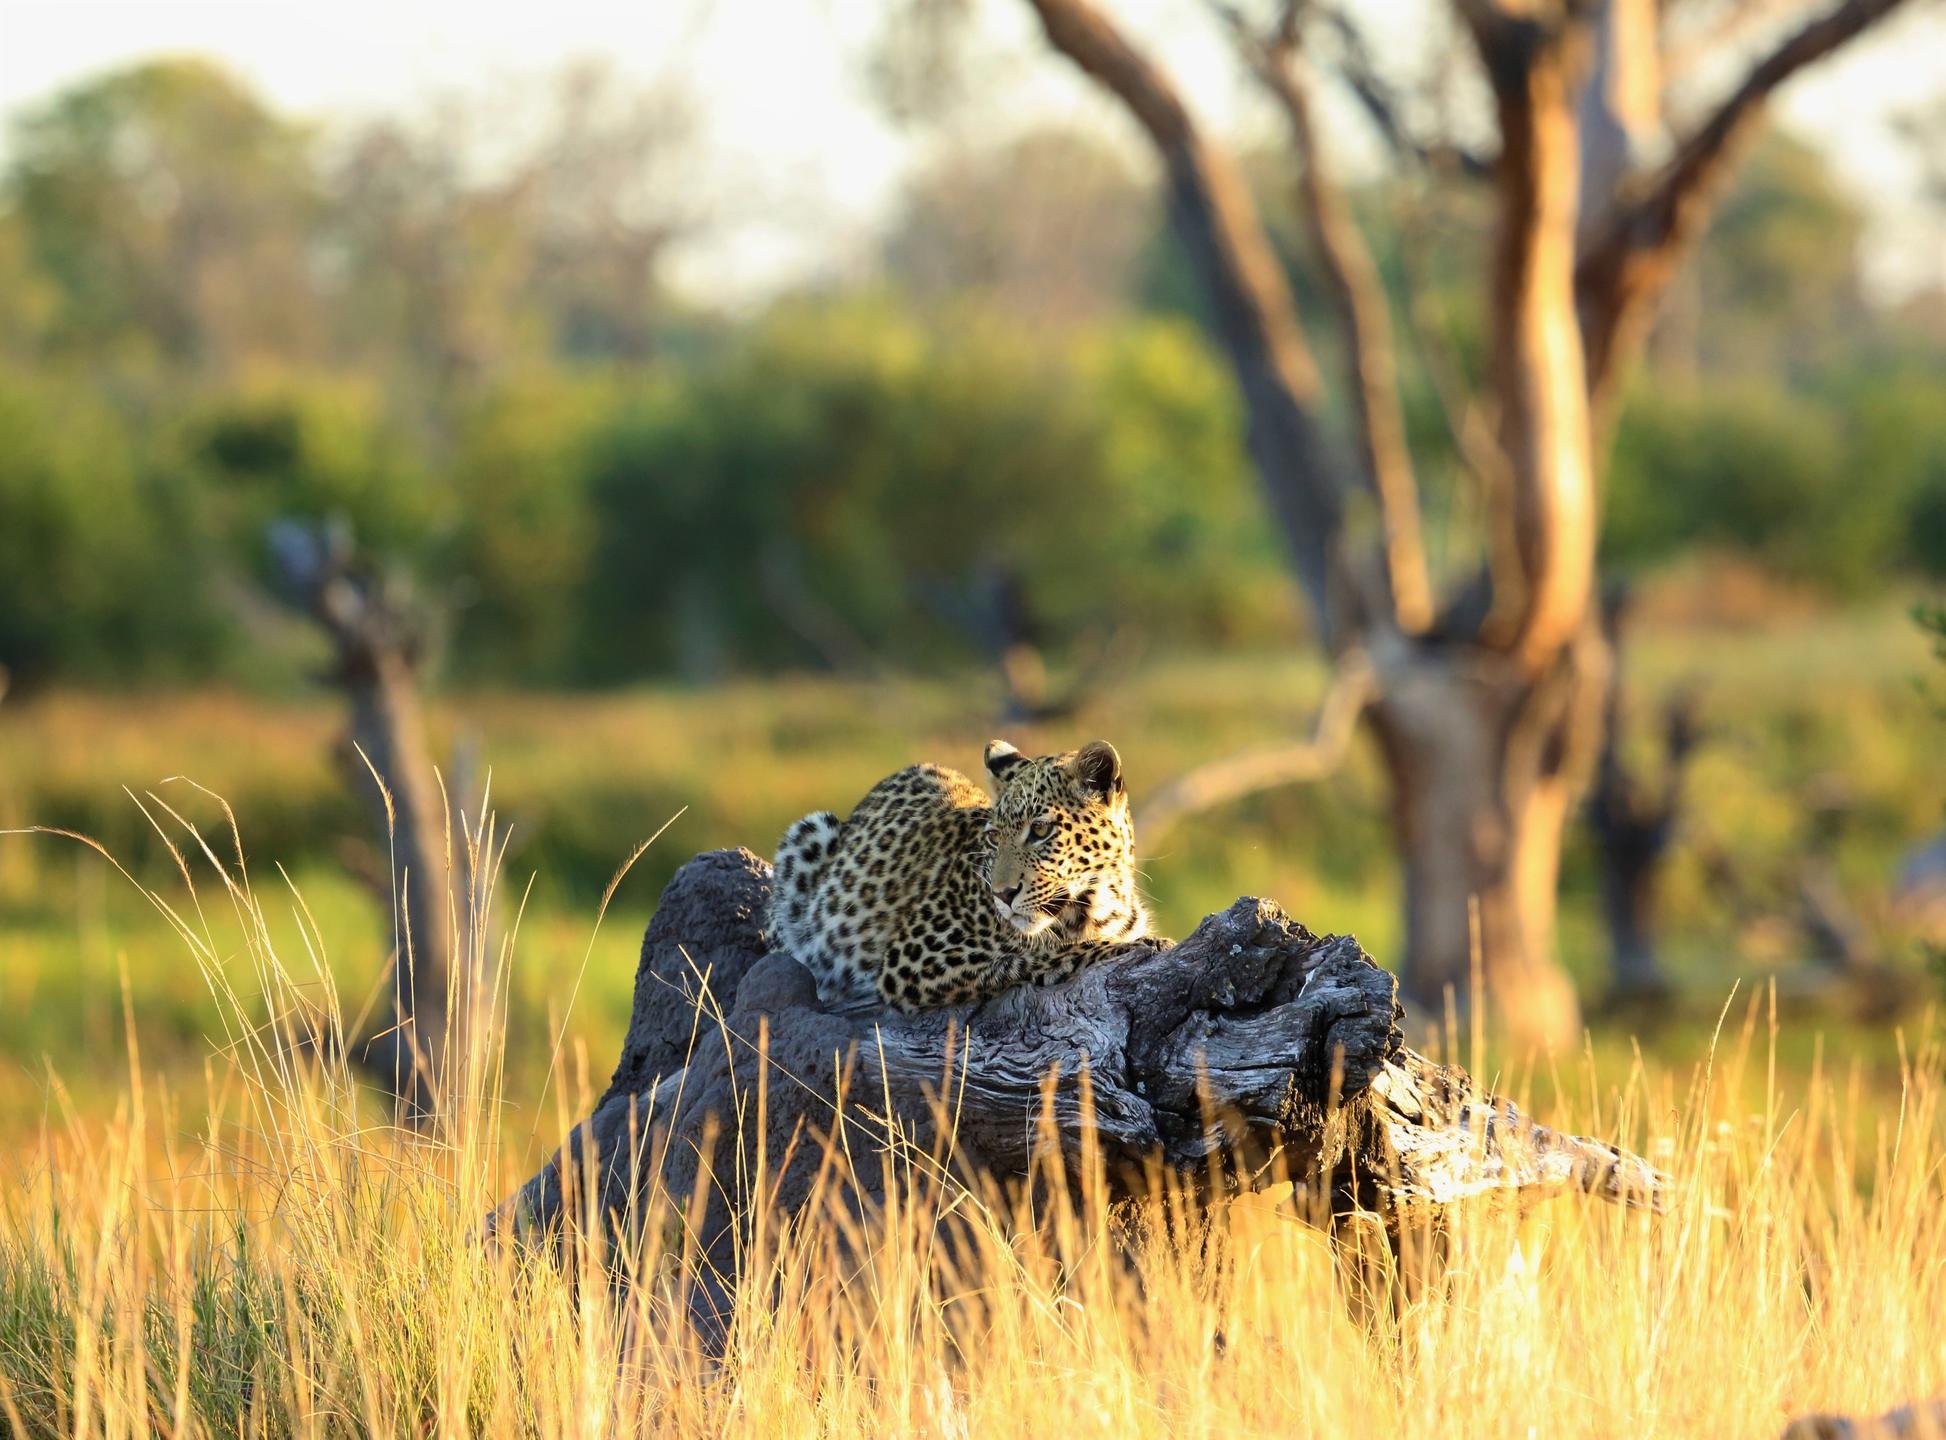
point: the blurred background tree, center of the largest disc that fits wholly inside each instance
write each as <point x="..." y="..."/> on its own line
<point x="482" y="365"/>
<point x="171" y="214"/>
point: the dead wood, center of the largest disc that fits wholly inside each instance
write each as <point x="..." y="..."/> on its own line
<point x="1924" y="1421"/>
<point x="1251" y="1038"/>
<point x="376" y="633"/>
<point x="1358" y="294"/>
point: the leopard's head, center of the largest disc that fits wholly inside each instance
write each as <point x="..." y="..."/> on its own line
<point x="1060" y="833"/>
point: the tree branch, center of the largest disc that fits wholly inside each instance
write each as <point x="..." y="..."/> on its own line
<point x="1624" y="271"/>
<point x="1222" y="782"/>
<point x="1375" y="94"/>
<point x="1547" y="520"/>
<point x="1256" y="314"/>
<point x="1359" y="295"/>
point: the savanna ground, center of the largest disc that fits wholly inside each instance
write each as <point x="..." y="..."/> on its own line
<point x="204" y="1235"/>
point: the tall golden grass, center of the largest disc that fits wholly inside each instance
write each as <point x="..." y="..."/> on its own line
<point x="302" y="1267"/>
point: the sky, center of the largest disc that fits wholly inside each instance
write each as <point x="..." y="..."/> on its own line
<point x="798" y="159"/>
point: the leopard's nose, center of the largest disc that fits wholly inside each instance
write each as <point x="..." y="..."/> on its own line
<point x="1006" y="897"/>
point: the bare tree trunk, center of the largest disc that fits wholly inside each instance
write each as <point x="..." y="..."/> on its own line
<point x="1486" y="763"/>
<point x="411" y="811"/>
<point x="376" y="637"/>
<point x="1620" y="110"/>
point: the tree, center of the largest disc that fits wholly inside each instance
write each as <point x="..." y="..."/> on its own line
<point x="1486" y="692"/>
<point x="1049" y="225"/>
<point x="85" y="589"/>
<point x="1779" y="276"/>
<point x="170" y="209"/>
<point x="467" y="253"/>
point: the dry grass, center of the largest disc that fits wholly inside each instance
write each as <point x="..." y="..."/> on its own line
<point x="299" y="1268"/>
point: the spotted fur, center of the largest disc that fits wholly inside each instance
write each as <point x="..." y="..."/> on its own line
<point x="932" y="894"/>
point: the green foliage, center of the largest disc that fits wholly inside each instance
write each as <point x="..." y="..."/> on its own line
<point x="311" y="450"/>
<point x="1777" y="277"/>
<point x="1747" y="468"/>
<point x="169" y="208"/>
<point x="1192" y="543"/>
<point x="523" y="529"/>
<point x="890" y="467"/>
<point x="467" y="352"/>
<point x="1897" y="425"/>
<point x="101" y="566"/>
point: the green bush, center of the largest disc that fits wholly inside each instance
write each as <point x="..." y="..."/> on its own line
<point x="1749" y="468"/>
<point x="103" y="569"/>
<point x="524" y="529"/>
<point x="312" y="450"/>
<point x="1897" y="424"/>
<point x="893" y="470"/>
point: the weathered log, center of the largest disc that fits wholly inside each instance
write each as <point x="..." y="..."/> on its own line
<point x="1251" y="1037"/>
<point x="1924" y="1421"/>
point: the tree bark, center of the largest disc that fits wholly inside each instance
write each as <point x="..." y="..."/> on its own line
<point x="375" y="637"/>
<point x="1620" y="107"/>
<point x="408" y="807"/>
<point x="1359" y="296"/>
<point x="1486" y="761"/>
<point x="740" y="1099"/>
<point x="1544" y="551"/>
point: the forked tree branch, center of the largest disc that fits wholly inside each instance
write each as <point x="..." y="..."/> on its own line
<point x="1625" y="270"/>
<point x="1222" y="782"/>
<point x="1548" y="513"/>
<point x="1359" y="295"/>
<point x="1256" y="314"/>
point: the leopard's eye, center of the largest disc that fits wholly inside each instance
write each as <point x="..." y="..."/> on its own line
<point x="1040" y="829"/>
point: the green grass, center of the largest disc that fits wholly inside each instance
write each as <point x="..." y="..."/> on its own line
<point x="1831" y="701"/>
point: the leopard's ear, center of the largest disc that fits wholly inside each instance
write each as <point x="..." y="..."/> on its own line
<point x="1002" y="757"/>
<point x="1098" y="768"/>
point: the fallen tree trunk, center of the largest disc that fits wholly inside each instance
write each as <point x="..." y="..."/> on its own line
<point x="1923" y="1421"/>
<point x="1250" y="1038"/>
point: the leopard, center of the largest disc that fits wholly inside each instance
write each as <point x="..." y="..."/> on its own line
<point x="932" y="894"/>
